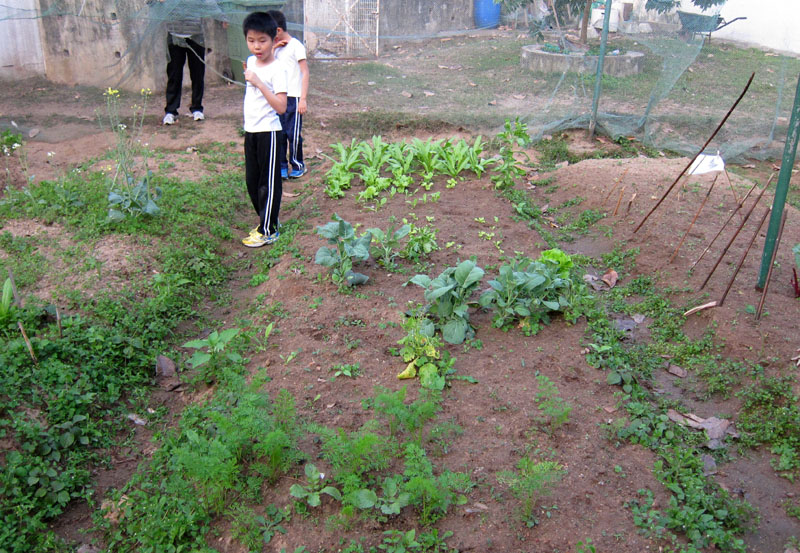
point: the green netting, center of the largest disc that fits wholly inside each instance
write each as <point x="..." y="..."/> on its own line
<point x="668" y="78"/>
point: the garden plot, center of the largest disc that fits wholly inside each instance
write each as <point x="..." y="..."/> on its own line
<point x="539" y="422"/>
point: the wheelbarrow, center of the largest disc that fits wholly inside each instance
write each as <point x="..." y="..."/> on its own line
<point x="694" y="23"/>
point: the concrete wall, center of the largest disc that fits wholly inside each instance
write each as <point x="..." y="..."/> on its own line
<point x="399" y="20"/>
<point x="319" y="17"/>
<point x="114" y="43"/>
<point x="537" y="60"/>
<point x="404" y="19"/>
<point x="94" y="43"/>
<point x="20" y="45"/>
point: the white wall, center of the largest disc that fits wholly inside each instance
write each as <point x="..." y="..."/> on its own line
<point x="20" y="45"/>
<point x="770" y="23"/>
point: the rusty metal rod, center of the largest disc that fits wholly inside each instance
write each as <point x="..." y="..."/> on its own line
<point x="744" y="256"/>
<point x="738" y="207"/>
<point x="771" y="266"/>
<point x="710" y="138"/>
<point x="696" y="215"/>
<point x="735" y="234"/>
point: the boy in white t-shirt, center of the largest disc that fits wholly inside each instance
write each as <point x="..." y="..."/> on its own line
<point x="264" y="100"/>
<point x="291" y="51"/>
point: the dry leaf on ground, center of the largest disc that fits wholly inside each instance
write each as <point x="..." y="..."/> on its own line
<point x="610" y="278"/>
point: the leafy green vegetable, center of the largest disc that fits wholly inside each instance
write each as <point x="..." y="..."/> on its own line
<point x="528" y="290"/>
<point x="448" y="296"/>
<point x="561" y="259"/>
<point x="348" y="248"/>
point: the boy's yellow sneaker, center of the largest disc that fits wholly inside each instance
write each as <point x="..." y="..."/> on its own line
<point x="257" y="239"/>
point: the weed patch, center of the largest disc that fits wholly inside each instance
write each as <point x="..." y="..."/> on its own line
<point x="770" y="416"/>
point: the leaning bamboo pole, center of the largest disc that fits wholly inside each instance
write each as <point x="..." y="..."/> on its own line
<point x="744" y="256"/>
<point x="710" y="138"/>
<point x="724" y="226"/>
<point x="771" y="266"/>
<point x="696" y="215"/>
<point x="733" y="238"/>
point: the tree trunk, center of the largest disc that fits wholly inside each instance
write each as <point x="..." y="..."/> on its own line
<point x="555" y="15"/>
<point x="585" y="21"/>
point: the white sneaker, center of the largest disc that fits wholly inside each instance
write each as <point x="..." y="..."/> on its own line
<point x="169" y="119"/>
<point x="198" y="115"/>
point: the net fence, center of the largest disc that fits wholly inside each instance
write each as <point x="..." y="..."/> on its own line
<point x="672" y="68"/>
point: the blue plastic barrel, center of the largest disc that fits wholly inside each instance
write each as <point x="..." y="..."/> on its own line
<point x="487" y="14"/>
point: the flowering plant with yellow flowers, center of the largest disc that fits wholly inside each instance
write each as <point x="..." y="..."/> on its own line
<point x="130" y="191"/>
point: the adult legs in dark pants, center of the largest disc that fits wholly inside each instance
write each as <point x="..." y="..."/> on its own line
<point x="178" y="55"/>
<point x="262" y="174"/>
<point x="292" y="141"/>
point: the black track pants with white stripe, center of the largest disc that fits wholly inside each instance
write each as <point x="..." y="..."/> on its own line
<point x="292" y="141"/>
<point x="263" y="177"/>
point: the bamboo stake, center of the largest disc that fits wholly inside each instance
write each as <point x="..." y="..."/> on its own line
<point x="694" y="310"/>
<point x="730" y="184"/>
<point x="696" y="215"/>
<point x="58" y="320"/>
<point x="630" y="203"/>
<point x="710" y="138"/>
<point x="27" y="342"/>
<point x="17" y="301"/>
<point x="616" y="183"/>
<point x="771" y="266"/>
<point x="735" y="234"/>
<point x="738" y="207"/>
<point x="555" y="16"/>
<point x="744" y="256"/>
<point x="619" y="200"/>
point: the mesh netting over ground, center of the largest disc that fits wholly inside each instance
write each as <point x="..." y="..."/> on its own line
<point x="668" y="79"/>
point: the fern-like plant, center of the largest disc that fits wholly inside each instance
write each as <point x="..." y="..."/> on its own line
<point x="532" y="481"/>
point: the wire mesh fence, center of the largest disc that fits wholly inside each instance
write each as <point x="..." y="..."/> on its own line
<point x="667" y="77"/>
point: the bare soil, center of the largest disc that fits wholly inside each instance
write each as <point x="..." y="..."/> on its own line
<point x="497" y="414"/>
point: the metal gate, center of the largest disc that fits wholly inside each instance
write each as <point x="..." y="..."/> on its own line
<point x="342" y="28"/>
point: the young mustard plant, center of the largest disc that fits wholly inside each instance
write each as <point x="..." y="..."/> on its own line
<point x="214" y="345"/>
<point x="387" y="244"/>
<point x="311" y="493"/>
<point x="347" y="249"/>
<point x="448" y="298"/>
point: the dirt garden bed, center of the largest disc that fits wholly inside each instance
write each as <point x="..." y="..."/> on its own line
<point x="589" y="208"/>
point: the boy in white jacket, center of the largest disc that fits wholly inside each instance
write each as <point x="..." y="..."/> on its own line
<point x="264" y="101"/>
<point x="290" y="51"/>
